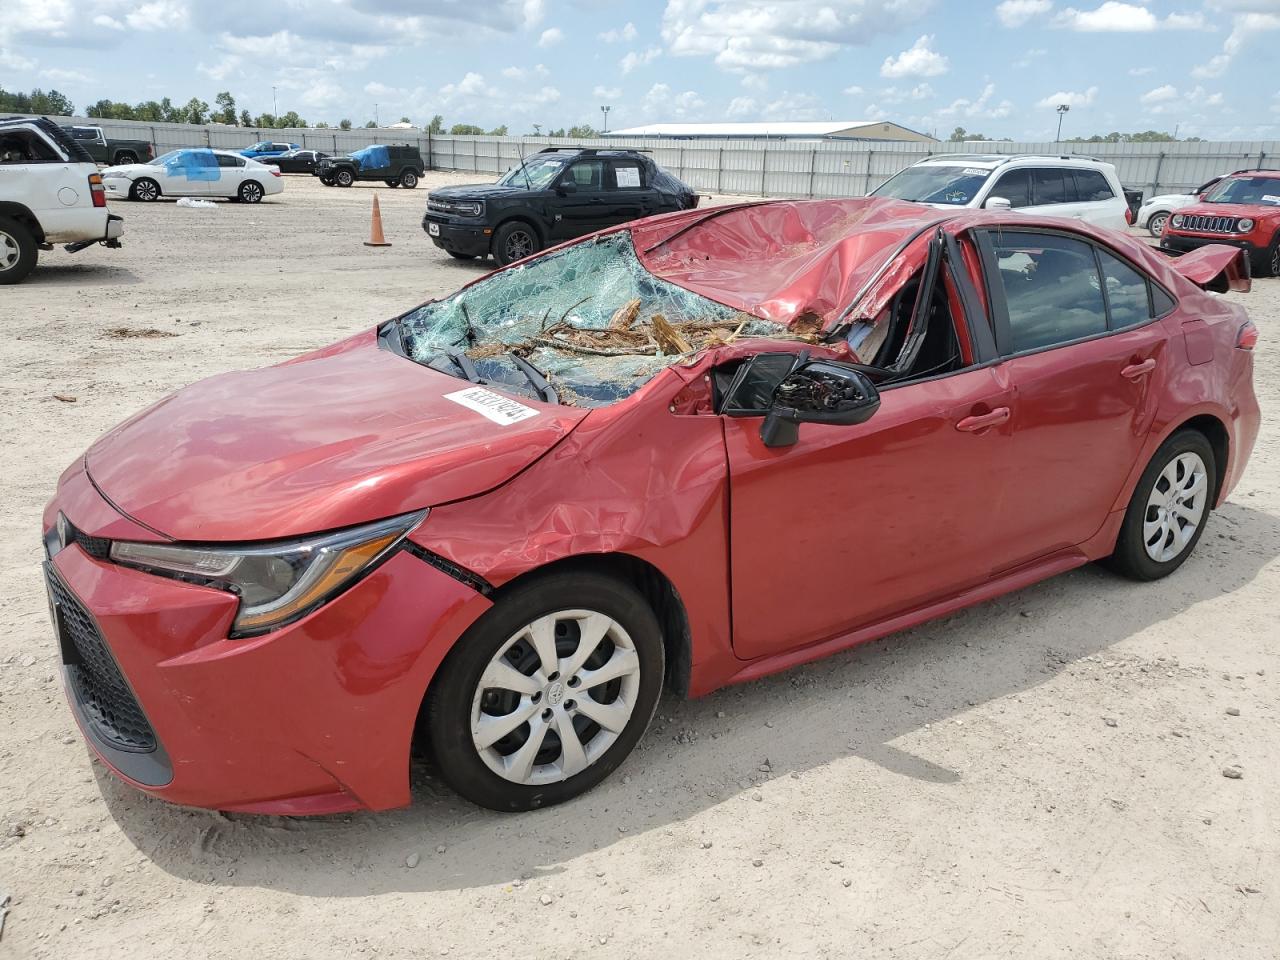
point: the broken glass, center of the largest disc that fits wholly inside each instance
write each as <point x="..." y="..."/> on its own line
<point x="589" y="317"/>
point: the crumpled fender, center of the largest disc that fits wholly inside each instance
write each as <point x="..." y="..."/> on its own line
<point x="1216" y="267"/>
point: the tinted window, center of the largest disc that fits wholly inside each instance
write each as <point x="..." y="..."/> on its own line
<point x="627" y="175"/>
<point x="1014" y="186"/>
<point x="84" y="133"/>
<point x="1051" y="288"/>
<point x="1053" y="186"/>
<point x="1126" y="292"/>
<point x="1092" y="185"/>
<point x="25" y="146"/>
<point x="588" y="174"/>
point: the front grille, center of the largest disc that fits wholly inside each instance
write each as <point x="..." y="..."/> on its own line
<point x="1204" y="224"/>
<point x="104" y="696"/>
<point x="463" y="208"/>
<point x="97" y="547"/>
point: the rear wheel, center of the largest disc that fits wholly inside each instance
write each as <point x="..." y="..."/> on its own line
<point x="144" y="188"/>
<point x="514" y="241"/>
<point x="250" y="191"/>
<point x="126" y="156"/>
<point x="547" y="694"/>
<point x="408" y="179"/>
<point x="1156" y="223"/>
<point x="344" y="178"/>
<point x="18" y="251"/>
<point x="1169" y="508"/>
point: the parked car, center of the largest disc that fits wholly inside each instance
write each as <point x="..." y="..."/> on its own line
<point x="50" y="192"/>
<point x="1078" y="187"/>
<point x="268" y="148"/>
<point x="298" y="161"/>
<point x="556" y="195"/>
<point x="1242" y="210"/>
<point x="1154" y="213"/>
<point x="680" y="452"/>
<point x="196" y="172"/>
<point x="395" y="165"/>
<point x="111" y="150"/>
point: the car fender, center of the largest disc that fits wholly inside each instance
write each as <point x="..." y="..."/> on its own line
<point x="523" y="216"/>
<point x="23" y="214"/>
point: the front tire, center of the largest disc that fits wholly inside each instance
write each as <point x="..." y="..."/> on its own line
<point x="1169" y="508"/>
<point x="250" y="191"/>
<point x="513" y="241"/>
<point x="547" y="693"/>
<point x="408" y="179"/>
<point x="1156" y="224"/>
<point x="145" y="189"/>
<point x="18" y="251"/>
<point x="344" y="178"/>
<point x="393" y="183"/>
<point x="1267" y="263"/>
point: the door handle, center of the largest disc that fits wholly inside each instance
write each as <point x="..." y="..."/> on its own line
<point x="982" y="421"/>
<point x="1136" y="370"/>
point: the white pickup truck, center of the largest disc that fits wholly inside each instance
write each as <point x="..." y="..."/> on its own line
<point x="50" y="192"/>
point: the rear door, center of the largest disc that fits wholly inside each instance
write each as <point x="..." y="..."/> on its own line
<point x="231" y="172"/>
<point x="633" y="196"/>
<point x="1086" y="360"/>
<point x="1053" y="192"/>
<point x="590" y="206"/>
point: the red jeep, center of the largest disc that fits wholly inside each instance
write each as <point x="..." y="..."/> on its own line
<point x="1242" y="210"/>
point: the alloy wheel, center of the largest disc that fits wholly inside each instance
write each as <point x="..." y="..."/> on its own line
<point x="555" y="697"/>
<point x="9" y="252"/>
<point x="250" y="192"/>
<point x="1275" y="260"/>
<point x="146" y="190"/>
<point x="519" y="245"/>
<point x="1157" y="224"/>
<point x="1175" y="507"/>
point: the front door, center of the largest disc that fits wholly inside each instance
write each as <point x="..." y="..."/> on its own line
<point x="1086" y="361"/>
<point x="853" y="524"/>
<point x="588" y="206"/>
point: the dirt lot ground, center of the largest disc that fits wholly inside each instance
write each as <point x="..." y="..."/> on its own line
<point x="1038" y="777"/>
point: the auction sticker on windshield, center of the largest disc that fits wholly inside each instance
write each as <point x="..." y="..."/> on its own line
<point x="501" y="410"/>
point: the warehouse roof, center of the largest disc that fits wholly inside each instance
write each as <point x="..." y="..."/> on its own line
<point x="811" y="129"/>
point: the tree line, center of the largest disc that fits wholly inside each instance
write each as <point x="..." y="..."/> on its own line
<point x="960" y="134"/>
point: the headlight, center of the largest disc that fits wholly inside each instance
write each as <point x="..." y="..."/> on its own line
<point x="1176" y="219"/>
<point x="276" y="582"/>
<point x="1244" y="226"/>
<point x="472" y="209"/>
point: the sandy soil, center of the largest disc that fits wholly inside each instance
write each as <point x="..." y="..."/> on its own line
<point x="1038" y="777"/>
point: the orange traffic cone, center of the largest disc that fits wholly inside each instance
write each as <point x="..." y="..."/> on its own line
<point x="376" y="239"/>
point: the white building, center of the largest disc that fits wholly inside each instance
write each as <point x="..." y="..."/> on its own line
<point x="800" y="130"/>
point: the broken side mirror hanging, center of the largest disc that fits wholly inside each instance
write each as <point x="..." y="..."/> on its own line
<point x="820" y="391"/>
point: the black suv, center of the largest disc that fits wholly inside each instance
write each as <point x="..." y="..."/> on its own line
<point x="555" y="195"/>
<point x="396" y="166"/>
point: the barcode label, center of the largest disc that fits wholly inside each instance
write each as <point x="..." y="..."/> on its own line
<point x="494" y="406"/>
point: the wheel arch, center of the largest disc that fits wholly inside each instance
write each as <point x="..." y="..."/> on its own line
<point x="1155" y="213"/>
<point x="23" y="215"/>
<point x="522" y="218"/>
<point x="1215" y="431"/>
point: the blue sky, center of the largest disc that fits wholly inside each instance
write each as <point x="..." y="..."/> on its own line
<point x="994" y="67"/>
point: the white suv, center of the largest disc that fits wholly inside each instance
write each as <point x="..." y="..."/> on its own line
<point x="50" y="192"/>
<point x="1077" y="187"/>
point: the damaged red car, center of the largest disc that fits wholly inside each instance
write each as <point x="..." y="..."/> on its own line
<point x="681" y="454"/>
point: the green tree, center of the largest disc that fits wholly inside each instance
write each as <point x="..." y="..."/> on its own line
<point x="437" y="125"/>
<point x="245" y="119"/>
<point x="584" y="131"/>
<point x="370" y="124"/>
<point x="51" y="104"/>
<point x="405" y="120"/>
<point x="226" y="112"/>
<point x="466" y="130"/>
<point x="344" y="124"/>
<point x="148" y="110"/>
<point x="168" y="112"/>
<point x="556" y="133"/>
<point x="960" y="134"/>
<point x="499" y="131"/>
<point x="321" y="125"/>
<point x="197" y="110"/>
<point x="265" y="120"/>
<point x="290" y="119"/>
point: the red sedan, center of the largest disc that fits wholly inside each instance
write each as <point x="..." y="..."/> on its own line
<point x="689" y="452"/>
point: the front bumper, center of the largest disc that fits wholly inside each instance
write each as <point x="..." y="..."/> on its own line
<point x="1184" y="243"/>
<point x="316" y="717"/>
<point x="467" y="238"/>
<point x="117" y="187"/>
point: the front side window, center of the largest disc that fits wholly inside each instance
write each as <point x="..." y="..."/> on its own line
<point x="588" y="174"/>
<point x="935" y="183"/>
<point x="26" y="146"/>
<point x="1014" y="186"/>
<point x="1051" y="289"/>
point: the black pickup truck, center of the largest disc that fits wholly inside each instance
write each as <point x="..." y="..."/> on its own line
<point x="110" y="151"/>
<point x="394" y="165"/>
<point x="555" y="195"/>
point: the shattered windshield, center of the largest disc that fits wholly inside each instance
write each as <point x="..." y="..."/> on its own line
<point x="540" y="171"/>
<point x="588" y="318"/>
<point x="935" y="184"/>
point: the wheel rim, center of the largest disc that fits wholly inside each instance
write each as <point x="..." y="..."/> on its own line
<point x="410" y="180"/>
<point x="251" y="192"/>
<point x="344" y="179"/>
<point x="555" y="697"/>
<point x="1157" y="223"/>
<point x="147" y="190"/>
<point x="519" y="245"/>
<point x="1175" y="507"/>
<point x="9" y="252"/>
<point x="1275" y="261"/>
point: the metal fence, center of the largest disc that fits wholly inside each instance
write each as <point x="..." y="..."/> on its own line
<point x="775" y="168"/>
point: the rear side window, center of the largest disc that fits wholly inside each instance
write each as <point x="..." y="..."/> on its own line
<point x="628" y="175"/>
<point x="1092" y="185"/>
<point x="26" y="146"/>
<point x="1161" y="302"/>
<point x="1053" y="186"/>
<point x="1014" y="186"/>
<point x="1126" y="292"/>
<point x="83" y="133"/>
<point x="224" y="161"/>
<point x="1051" y="289"/>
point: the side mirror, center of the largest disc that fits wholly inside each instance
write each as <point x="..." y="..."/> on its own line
<point x="820" y="391"/>
<point x="998" y="203"/>
<point x="567" y="187"/>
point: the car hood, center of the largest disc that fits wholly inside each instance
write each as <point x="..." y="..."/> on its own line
<point x="345" y="435"/>
<point x="1176" y="199"/>
<point x="128" y="169"/>
<point x="1251" y="210"/>
<point x="475" y="191"/>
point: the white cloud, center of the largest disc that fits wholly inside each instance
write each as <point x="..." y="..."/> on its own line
<point x="741" y="108"/>
<point x="1169" y="100"/>
<point x="637" y="58"/>
<point x="109" y="23"/>
<point x="1116" y="17"/>
<point x="751" y="35"/>
<point x="522" y="73"/>
<point x="532" y="12"/>
<point x="159" y="15"/>
<point x="1244" y="26"/>
<point x="619" y="34"/>
<point x="1141" y="71"/>
<point x="57" y="75"/>
<point x="226" y="66"/>
<point x="853" y="91"/>
<point x="550" y="37"/>
<point x="1015" y="13"/>
<point x="1070" y="98"/>
<point x="13" y="61"/>
<point x="1160" y="94"/>
<point x="376" y="89"/>
<point x="918" y="61"/>
<point x="1035" y="53"/>
<point x="662" y="101"/>
<point x="982" y="106"/>
<point x="755" y="81"/>
<point x="607" y="93"/>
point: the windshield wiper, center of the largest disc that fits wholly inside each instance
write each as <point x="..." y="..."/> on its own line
<point x="536" y="379"/>
<point x="462" y="362"/>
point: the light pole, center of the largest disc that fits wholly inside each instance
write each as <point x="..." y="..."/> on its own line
<point x="605" y="111"/>
<point x="1062" y="112"/>
<point x="375" y="116"/>
<point x="275" y="107"/>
